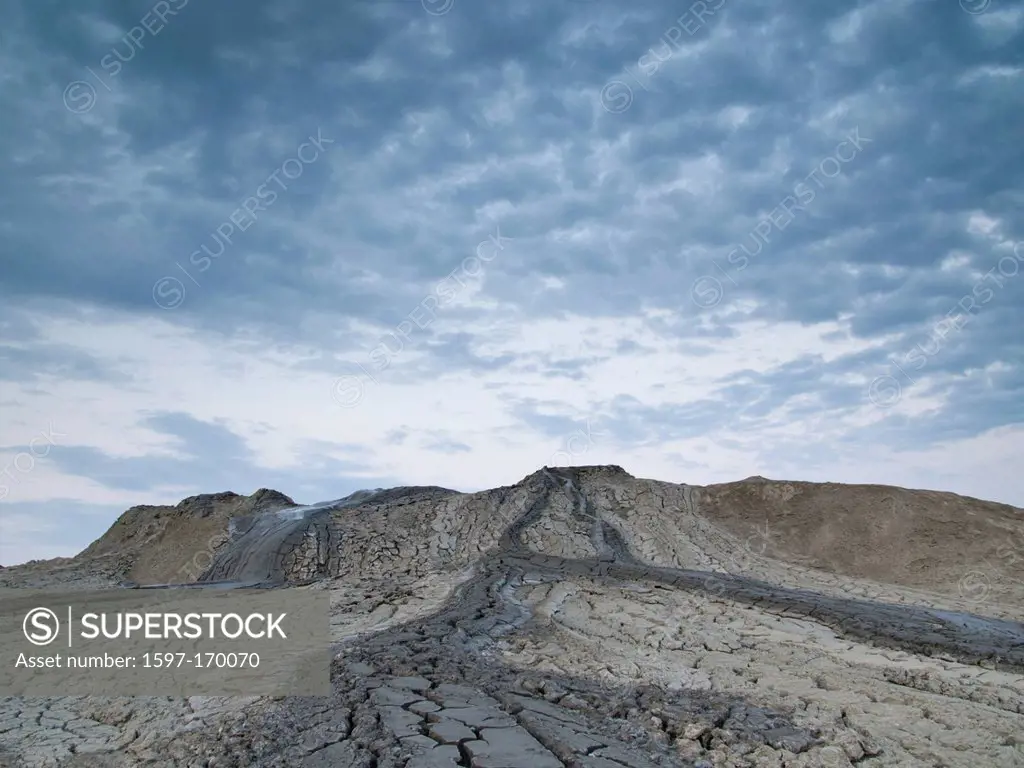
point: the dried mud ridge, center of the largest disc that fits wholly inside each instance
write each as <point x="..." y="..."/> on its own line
<point x="435" y="692"/>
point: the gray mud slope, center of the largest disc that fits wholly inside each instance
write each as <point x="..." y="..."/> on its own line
<point x="289" y="546"/>
<point x="435" y="691"/>
<point x="299" y="543"/>
<point x="430" y="693"/>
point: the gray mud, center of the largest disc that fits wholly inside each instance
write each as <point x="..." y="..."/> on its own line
<point x="435" y="691"/>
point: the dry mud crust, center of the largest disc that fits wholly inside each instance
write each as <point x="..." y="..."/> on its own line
<point x="493" y="717"/>
<point x="965" y="637"/>
<point x="877" y="706"/>
<point x="99" y="731"/>
<point x="506" y="670"/>
<point x="432" y="692"/>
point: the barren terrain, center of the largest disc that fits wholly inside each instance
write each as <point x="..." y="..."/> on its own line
<point x="584" y="617"/>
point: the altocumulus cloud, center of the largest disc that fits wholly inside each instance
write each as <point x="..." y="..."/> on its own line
<point x="735" y="239"/>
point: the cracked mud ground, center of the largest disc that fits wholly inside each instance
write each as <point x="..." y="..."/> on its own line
<point x="581" y="618"/>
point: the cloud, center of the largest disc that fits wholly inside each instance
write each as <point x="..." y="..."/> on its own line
<point x="794" y="252"/>
<point x="199" y="453"/>
<point x="43" y="526"/>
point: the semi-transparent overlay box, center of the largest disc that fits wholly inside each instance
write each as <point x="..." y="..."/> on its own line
<point x="165" y="642"/>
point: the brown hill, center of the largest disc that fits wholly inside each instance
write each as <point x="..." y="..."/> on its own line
<point x="161" y="544"/>
<point x="152" y="544"/>
<point x="926" y="539"/>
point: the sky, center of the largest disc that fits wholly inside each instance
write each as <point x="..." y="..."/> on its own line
<point x="319" y="246"/>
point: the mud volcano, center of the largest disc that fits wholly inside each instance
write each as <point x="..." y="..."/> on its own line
<point x="585" y="618"/>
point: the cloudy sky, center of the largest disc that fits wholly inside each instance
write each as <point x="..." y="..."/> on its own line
<point x="322" y="246"/>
